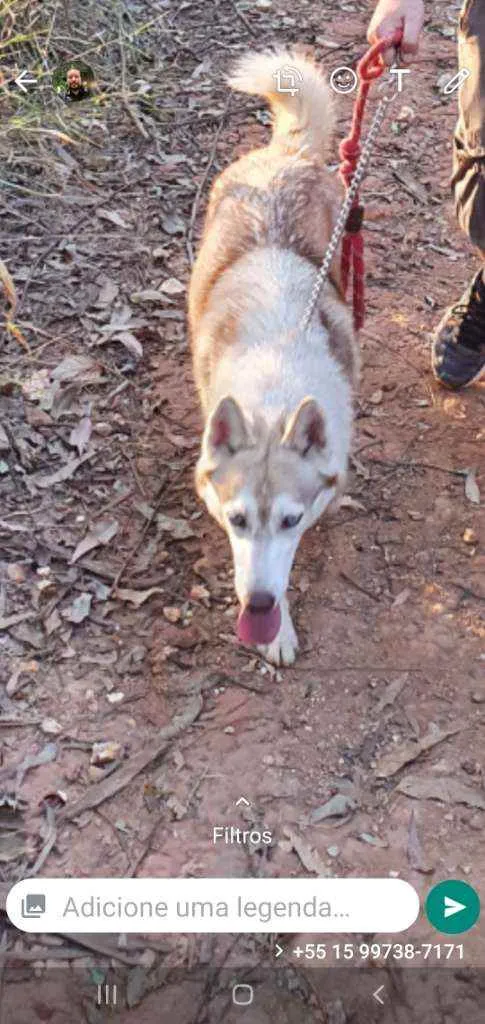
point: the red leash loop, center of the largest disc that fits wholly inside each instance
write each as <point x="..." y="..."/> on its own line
<point x="369" y="69"/>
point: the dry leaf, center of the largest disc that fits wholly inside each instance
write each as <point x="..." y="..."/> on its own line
<point x="113" y="218"/>
<point x="80" y="435"/>
<point x="337" y="807"/>
<point x="35" y="387"/>
<point x="401" y="598"/>
<point x="348" y="502"/>
<point x="148" y="295"/>
<point x="70" y="367"/>
<point x="447" y="789"/>
<point x="101" y="533"/>
<point x="414" y="849"/>
<point x="134" y="347"/>
<point x="472" y="490"/>
<point x="391" y="693"/>
<point x="179" y="529"/>
<point x="412" y="186"/>
<point x="310" y="858"/>
<point x="172" y="224"/>
<point x="8" y="286"/>
<point x="136" y="597"/>
<point x="409" y="751"/>
<point x="13" y="683"/>
<point x="79" y="609"/>
<point x="108" y="294"/>
<point x="64" y="473"/>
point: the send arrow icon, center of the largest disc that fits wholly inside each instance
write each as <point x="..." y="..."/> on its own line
<point x="453" y="907"/>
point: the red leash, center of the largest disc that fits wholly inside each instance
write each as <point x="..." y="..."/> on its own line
<point x="369" y="69"/>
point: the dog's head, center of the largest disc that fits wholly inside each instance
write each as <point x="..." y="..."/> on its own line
<point x="265" y="486"/>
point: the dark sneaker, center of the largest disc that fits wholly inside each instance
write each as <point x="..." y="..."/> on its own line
<point x="458" y="349"/>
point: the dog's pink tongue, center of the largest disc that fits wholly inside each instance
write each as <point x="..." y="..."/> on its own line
<point x="258" y="627"/>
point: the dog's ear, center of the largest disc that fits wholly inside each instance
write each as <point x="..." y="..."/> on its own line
<point x="227" y="430"/>
<point x="305" y="429"/>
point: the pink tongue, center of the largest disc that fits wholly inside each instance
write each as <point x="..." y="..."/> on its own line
<point x="258" y="627"/>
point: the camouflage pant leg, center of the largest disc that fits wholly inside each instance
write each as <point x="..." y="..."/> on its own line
<point x="468" y="181"/>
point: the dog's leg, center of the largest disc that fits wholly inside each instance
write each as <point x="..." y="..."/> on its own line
<point x="282" y="651"/>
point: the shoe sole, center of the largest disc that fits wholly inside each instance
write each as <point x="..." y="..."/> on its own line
<point x="457" y="387"/>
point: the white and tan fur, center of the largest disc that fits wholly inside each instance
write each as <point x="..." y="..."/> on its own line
<point x="277" y="399"/>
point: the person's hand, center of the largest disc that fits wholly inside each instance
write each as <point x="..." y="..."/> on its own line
<point x="391" y="15"/>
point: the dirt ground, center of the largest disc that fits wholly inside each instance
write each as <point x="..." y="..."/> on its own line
<point x="117" y="609"/>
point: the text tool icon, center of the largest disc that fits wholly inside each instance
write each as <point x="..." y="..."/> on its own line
<point x="453" y="907"/>
<point x="33" y="905"/>
<point x="456" y="82"/>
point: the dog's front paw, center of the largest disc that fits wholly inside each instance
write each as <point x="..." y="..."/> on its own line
<point x="283" y="649"/>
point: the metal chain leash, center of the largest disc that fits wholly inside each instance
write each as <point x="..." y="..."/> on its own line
<point x="345" y="208"/>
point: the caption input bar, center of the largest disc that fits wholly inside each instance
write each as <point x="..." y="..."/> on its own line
<point x="213" y="905"/>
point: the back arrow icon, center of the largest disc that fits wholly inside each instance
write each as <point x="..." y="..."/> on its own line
<point x="377" y="995"/>
<point x="22" y="81"/>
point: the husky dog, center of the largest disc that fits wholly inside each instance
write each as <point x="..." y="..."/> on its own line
<point x="276" y="395"/>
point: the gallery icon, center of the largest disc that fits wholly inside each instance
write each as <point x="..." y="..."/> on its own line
<point x="33" y="905"/>
<point x="287" y="79"/>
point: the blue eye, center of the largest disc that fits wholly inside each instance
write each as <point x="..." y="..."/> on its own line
<point x="288" y="522"/>
<point x="239" y="521"/>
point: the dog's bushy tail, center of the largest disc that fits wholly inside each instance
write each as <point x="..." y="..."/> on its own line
<point x="305" y="119"/>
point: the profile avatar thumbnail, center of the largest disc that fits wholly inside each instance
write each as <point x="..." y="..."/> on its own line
<point x="73" y="81"/>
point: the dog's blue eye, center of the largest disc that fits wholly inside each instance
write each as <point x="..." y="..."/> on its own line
<point x="288" y="522"/>
<point x="239" y="521"/>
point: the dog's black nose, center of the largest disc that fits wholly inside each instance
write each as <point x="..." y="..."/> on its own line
<point x="261" y="602"/>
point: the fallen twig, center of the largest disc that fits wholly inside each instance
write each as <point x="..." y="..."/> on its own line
<point x="107" y="788"/>
<point x="131" y="554"/>
<point x="48" y="845"/>
<point x="124" y="92"/>
<point x="195" y="205"/>
<point x="361" y="589"/>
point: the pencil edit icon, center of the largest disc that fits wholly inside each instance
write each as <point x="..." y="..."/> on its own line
<point x="33" y="905"/>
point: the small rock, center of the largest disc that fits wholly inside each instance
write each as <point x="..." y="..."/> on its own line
<point x="105" y="752"/>
<point x="148" y="959"/>
<point x="172" y="286"/>
<point x="4" y="441"/>
<point x="115" y="697"/>
<point x="50" y="727"/>
<point x="16" y="572"/>
<point x="172" y="614"/>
